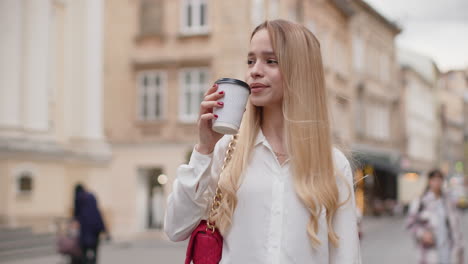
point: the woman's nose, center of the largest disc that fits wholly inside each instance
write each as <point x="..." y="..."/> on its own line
<point x="256" y="70"/>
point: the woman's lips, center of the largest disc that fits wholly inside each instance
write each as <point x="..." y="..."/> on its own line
<point x="257" y="87"/>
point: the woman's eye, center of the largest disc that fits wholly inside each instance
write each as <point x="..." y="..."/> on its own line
<point x="271" y="61"/>
<point x="250" y="62"/>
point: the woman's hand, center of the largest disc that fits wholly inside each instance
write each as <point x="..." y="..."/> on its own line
<point x="207" y="137"/>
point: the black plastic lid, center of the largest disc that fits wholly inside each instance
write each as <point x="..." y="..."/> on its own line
<point x="234" y="81"/>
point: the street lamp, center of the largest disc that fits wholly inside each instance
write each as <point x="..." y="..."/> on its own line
<point x="162" y="179"/>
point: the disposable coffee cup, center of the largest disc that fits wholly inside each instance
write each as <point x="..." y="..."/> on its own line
<point x="236" y="94"/>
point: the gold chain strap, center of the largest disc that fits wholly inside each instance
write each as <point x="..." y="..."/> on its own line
<point x="218" y="195"/>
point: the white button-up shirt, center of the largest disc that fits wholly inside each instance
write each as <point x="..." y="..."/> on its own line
<point x="269" y="224"/>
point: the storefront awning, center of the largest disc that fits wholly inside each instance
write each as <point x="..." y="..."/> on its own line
<point x="378" y="161"/>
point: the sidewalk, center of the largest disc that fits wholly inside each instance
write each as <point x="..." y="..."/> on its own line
<point x="385" y="241"/>
<point x="135" y="252"/>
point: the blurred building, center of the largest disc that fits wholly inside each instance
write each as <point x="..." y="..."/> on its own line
<point x="452" y="85"/>
<point x="108" y="93"/>
<point x="465" y="167"/>
<point x="51" y="130"/>
<point x="161" y="56"/>
<point x="421" y="124"/>
<point x="377" y="111"/>
<point x="329" y="21"/>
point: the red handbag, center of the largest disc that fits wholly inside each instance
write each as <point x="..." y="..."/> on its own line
<point x="206" y="242"/>
<point x="205" y="246"/>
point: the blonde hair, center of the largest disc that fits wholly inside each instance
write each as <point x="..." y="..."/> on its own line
<point x="307" y="130"/>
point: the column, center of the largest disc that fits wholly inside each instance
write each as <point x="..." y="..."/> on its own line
<point x="11" y="26"/>
<point x="36" y="65"/>
<point x="93" y="61"/>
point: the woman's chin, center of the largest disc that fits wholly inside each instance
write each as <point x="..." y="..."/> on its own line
<point x="265" y="101"/>
<point x="260" y="99"/>
<point x="258" y="102"/>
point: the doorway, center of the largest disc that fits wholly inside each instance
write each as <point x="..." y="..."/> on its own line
<point x="150" y="198"/>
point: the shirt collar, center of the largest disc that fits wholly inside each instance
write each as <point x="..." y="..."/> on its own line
<point x="260" y="138"/>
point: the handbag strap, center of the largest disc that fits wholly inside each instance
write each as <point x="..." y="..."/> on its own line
<point x="218" y="195"/>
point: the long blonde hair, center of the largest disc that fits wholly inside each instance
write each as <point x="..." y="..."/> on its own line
<point x="307" y="130"/>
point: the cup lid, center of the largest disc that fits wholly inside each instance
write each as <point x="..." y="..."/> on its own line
<point x="233" y="81"/>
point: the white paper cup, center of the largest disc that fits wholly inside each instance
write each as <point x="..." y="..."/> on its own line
<point x="236" y="94"/>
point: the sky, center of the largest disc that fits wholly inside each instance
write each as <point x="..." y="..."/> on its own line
<point x="434" y="28"/>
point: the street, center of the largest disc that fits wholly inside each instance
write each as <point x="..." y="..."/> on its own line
<point x="385" y="241"/>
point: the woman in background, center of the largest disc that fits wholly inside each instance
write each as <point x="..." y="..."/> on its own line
<point x="91" y="224"/>
<point x="435" y="225"/>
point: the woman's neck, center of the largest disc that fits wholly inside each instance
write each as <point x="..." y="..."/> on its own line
<point x="273" y="130"/>
<point x="273" y="123"/>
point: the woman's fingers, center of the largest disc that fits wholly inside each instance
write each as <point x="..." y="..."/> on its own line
<point x="207" y="106"/>
<point x="209" y="101"/>
<point x="214" y="96"/>
<point x="208" y="116"/>
<point x="207" y="137"/>
<point x="212" y="89"/>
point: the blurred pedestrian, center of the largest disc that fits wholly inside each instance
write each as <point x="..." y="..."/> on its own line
<point x="286" y="193"/>
<point x="91" y="224"/>
<point x="435" y="224"/>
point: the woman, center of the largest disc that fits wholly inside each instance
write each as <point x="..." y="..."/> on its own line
<point x="434" y="223"/>
<point x="287" y="194"/>
<point x="87" y="214"/>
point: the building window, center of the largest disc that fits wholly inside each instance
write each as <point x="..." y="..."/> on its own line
<point x="360" y="111"/>
<point x="293" y="13"/>
<point x="384" y="67"/>
<point x="384" y="117"/>
<point x="372" y="60"/>
<point x="341" y="118"/>
<point x="151" y="17"/>
<point x="326" y="45"/>
<point x="193" y="83"/>
<point x="151" y="89"/>
<point x="273" y="9"/>
<point x="256" y="13"/>
<point x="194" y="17"/>
<point x="358" y="53"/>
<point x="24" y="183"/>
<point x="340" y="59"/>
<point x="378" y="121"/>
<point x="312" y="27"/>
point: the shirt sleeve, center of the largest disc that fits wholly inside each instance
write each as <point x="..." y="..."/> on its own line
<point x="192" y="191"/>
<point x="345" y="221"/>
<point x="457" y="234"/>
<point x="412" y="222"/>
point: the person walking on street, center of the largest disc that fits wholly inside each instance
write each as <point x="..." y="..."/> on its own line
<point x="435" y="225"/>
<point x="287" y="193"/>
<point x="91" y="224"/>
